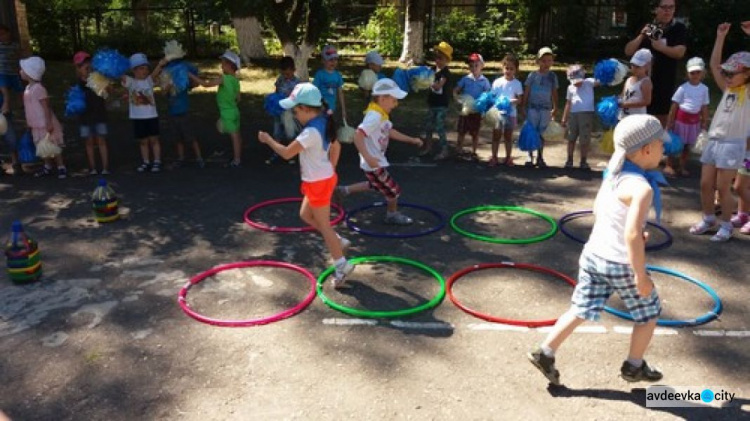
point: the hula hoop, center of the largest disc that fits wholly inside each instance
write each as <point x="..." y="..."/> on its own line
<point x="489" y="239"/>
<point x="383" y="314"/>
<point x="494" y="319"/>
<point x="708" y="317"/>
<point x="649" y="247"/>
<point x="182" y="297"/>
<point x="269" y="228"/>
<point x="352" y="226"/>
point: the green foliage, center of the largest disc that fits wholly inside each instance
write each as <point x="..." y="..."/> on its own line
<point x="384" y="31"/>
<point x="705" y="16"/>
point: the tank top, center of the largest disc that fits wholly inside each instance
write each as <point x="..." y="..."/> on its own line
<point x="633" y="93"/>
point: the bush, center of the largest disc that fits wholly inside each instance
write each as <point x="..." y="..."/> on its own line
<point x="384" y="31"/>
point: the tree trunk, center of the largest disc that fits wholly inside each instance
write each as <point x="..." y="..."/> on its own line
<point x="24" y="36"/>
<point x="140" y="13"/>
<point x="413" y="49"/>
<point x="300" y="54"/>
<point x="249" y="37"/>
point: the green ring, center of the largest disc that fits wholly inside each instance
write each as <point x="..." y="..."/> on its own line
<point x="530" y="240"/>
<point x="383" y="314"/>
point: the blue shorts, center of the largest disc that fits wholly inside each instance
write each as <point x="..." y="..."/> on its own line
<point x="598" y="278"/>
<point x="12" y="82"/>
<point x="88" y="130"/>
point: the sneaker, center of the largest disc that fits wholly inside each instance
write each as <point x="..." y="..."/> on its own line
<point x="444" y="154"/>
<point x="43" y="172"/>
<point x="703" y="227"/>
<point x="156" y="167"/>
<point x="62" y="173"/>
<point x="201" y="163"/>
<point x="93" y="172"/>
<point x="722" y="235"/>
<point x="232" y="164"/>
<point x="105" y="172"/>
<point x="745" y="229"/>
<point x="631" y="373"/>
<point x="345" y="243"/>
<point x="545" y="364"/>
<point x="144" y="167"/>
<point x="398" y="218"/>
<point x="339" y="277"/>
<point x="739" y="220"/>
<point x="585" y="166"/>
<point x="568" y="164"/>
<point x="540" y="163"/>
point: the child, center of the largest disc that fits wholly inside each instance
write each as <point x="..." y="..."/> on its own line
<point x="540" y="99"/>
<point x="689" y="112"/>
<point x="510" y="87"/>
<point x="329" y="80"/>
<point x="284" y="84"/>
<point x="178" y="104"/>
<point x="438" y="99"/>
<point x="92" y="123"/>
<point x="143" y="111"/>
<point x="227" y="98"/>
<point x="614" y="258"/>
<point x="578" y="115"/>
<point x="636" y="94"/>
<point x="374" y="62"/>
<point x="10" y="82"/>
<point x="319" y="153"/>
<point x="473" y="84"/>
<point x="724" y="153"/>
<point x="39" y="117"/>
<point x="372" y="141"/>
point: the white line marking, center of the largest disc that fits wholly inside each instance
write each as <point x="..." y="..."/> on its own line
<point x="714" y="333"/>
<point x="720" y="333"/>
<point x="738" y="333"/>
<point x="579" y="329"/>
<point x="350" y="322"/>
<point x="422" y="325"/>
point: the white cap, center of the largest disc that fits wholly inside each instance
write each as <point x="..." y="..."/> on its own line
<point x="544" y="51"/>
<point x="34" y="67"/>
<point x="641" y="57"/>
<point x="696" y="64"/>
<point x="232" y="58"/>
<point x="137" y="60"/>
<point x="373" y="57"/>
<point x="632" y="133"/>
<point x="387" y="86"/>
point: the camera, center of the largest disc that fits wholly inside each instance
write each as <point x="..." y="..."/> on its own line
<point x="654" y="32"/>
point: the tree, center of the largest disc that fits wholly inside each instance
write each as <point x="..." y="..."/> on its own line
<point x="140" y="12"/>
<point x="248" y="27"/>
<point x="413" y="49"/>
<point x="23" y="28"/>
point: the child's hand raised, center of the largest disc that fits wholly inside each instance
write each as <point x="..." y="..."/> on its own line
<point x="745" y="27"/>
<point x="723" y="29"/>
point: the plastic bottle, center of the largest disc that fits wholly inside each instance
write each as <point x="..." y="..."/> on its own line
<point x="24" y="261"/>
<point x="104" y="202"/>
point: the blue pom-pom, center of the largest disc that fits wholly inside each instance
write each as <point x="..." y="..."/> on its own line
<point x="179" y="70"/>
<point x="110" y="63"/>
<point x="271" y="104"/>
<point x="401" y="77"/>
<point x="75" y="101"/>
<point x="26" y="149"/>
<point x="529" y="139"/>
<point x="485" y="101"/>
<point x="503" y="104"/>
<point x="675" y="146"/>
<point x="604" y="71"/>
<point x="608" y="111"/>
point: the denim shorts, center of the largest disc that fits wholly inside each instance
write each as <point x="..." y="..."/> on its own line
<point x="99" y="130"/>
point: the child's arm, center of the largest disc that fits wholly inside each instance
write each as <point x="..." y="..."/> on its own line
<point x="554" y="105"/>
<point x="206" y="83"/>
<point x="47" y="114"/>
<point x="715" y="63"/>
<point x="672" y="115"/>
<point x="157" y="70"/>
<point x="359" y="142"/>
<point x="396" y="135"/>
<point x="566" y="112"/>
<point x="704" y="117"/>
<point x="522" y="103"/>
<point x="640" y="203"/>
<point x="286" y="152"/>
<point x="343" y="103"/>
<point x="5" y="92"/>
<point x="334" y="152"/>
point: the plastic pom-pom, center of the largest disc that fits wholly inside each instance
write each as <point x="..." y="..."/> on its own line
<point x="420" y="78"/>
<point x="271" y="104"/>
<point x="173" y="50"/>
<point x="701" y="142"/>
<point x="607" y="144"/>
<point x="367" y="79"/>
<point x="554" y="131"/>
<point x="180" y="70"/>
<point x="528" y="139"/>
<point x="674" y="146"/>
<point x="110" y="63"/>
<point x="46" y="149"/>
<point x="26" y="149"/>
<point x="608" y="110"/>
<point x="467" y="104"/>
<point x="621" y="73"/>
<point x="290" y="125"/>
<point x="166" y="83"/>
<point x="3" y="125"/>
<point x="493" y="118"/>
<point x="98" y="83"/>
<point x="485" y="101"/>
<point x="604" y="71"/>
<point x="401" y="78"/>
<point x="345" y="133"/>
<point x="75" y="101"/>
<point x="503" y="104"/>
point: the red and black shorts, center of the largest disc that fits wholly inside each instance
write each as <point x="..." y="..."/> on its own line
<point x="382" y="181"/>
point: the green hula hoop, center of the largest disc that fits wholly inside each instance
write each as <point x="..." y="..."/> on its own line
<point x="479" y="237"/>
<point x="383" y="314"/>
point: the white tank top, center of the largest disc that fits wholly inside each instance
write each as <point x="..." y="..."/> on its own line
<point x="731" y="120"/>
<point x="607" y="239"/>
<point x="633" y="93"/>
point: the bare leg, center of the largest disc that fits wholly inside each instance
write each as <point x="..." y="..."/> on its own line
<point x="90" y="153"/>
<point x="508" y="144"/>
<point x="144" y="149"/>
<point x="197" y="150"/>
<point x="565" y="325"/>
<point x="724" y="185"/>
<point x="708" y="187"/>
<point x="496" y="134"/>
<point x="474" y="143"/>
<point x="742" y="187"/>
<point x="640" y="338"/>
<point x="358" y="187"/>
<point x="319" y="218"/>
<point x="571" y="149"/>
<point x="103" y="152"/>
<point x="392" y="205"/>
<point x="236" y="146"/>
<point x="156" y="147"/>
<point x="180" y="151"/>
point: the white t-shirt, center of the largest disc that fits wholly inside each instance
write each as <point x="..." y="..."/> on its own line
<point x="731" y="120"/>
<point x="313" y="160"/>
<point x="691" y="98"/>
<point x="581" y="98"/>
<point x="510" y="88"/>
<point x="377" y="134"/>
<point x="141" y="98"/>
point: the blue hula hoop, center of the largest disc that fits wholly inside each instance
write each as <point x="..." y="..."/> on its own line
<point x="649" y="247"/>
<point x="352" y="226"/>
<point x="708" y="317"/>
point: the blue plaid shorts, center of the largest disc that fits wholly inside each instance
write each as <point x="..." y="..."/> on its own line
<point x="598" y="278"/>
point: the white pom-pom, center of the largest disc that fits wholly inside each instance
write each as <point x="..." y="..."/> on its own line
<point x="46" y="149"/>
<point x="345" y="134"/>
<point x="3" y="125"/>
<point x="290" y="126"/>
<point x="467" y="104"/>
<point x="620" y="74"/>
<point x="701" y="142"/>
<point x="367" y="79"/>
<point x="173" y="50"/>
<point x="493" y="118"/>
<point x="99" y="84"/>
<point x="554" y="131"/>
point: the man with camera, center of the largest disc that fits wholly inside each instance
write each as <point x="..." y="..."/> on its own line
<point x="667" y="39"/>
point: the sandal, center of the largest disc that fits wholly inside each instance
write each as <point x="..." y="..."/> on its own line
<point x="703" y="227"/>
<point x="722" y="235"/>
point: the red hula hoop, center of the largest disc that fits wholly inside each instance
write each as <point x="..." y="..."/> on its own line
<point x="494" y="319"/>
<point x="263" y="227"/>
<point x="182" y="297"/>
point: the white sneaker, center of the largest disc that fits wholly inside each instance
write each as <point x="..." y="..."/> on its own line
<point x="398" y="218"/>
<point x="722" y="235"/>
<point x="342" y="271"/>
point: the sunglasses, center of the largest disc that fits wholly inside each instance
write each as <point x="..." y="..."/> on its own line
<point x="728" y="74"/>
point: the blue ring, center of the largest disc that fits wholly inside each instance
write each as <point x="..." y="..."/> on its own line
<point x="649" y="247"/>
<point x="443" y="221"/>
<point x="708" y="317"/>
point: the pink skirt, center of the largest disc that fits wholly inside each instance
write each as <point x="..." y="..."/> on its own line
<point x="687" y="132"/>
<point x="56" y="137"/>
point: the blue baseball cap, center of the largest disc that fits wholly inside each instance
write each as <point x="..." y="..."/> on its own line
<point x="304" y="94"/>
<point x="137" y="60"/>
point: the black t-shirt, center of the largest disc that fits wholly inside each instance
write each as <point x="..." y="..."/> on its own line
<point x="664" y="69"/>
<point x="441" y="99"/>
<point x="96" y="107"/>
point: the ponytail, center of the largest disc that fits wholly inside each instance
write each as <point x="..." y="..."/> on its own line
<point x="331" y="123"/>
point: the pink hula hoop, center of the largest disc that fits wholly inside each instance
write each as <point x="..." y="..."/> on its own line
<point x="263" y="227"/>
<point x="182" y="297"/>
